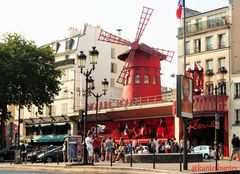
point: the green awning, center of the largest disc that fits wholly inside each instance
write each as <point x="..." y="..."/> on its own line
<point x="49" y="138"/>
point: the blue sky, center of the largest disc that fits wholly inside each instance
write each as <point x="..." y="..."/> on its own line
<point x="47" y="20"/>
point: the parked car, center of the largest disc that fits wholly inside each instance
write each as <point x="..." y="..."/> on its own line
<point x="7" y="154"/>
<point x="142" y="150"/>
<point x="32" y="156"/>
<point x="206" y="151"/>
<point x="52" y="155"/>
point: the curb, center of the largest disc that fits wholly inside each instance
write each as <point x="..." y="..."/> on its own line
<point x="77" y="169"/>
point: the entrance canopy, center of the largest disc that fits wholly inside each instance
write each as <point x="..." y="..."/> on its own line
<point x="49" y="138"/>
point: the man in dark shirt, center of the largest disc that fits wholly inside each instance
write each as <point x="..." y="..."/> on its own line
<point x="235" y="142"/>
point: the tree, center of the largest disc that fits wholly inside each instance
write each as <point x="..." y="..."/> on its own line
<point x="27" y="76"/>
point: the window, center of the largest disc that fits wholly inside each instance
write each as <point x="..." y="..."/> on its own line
<point x="54" y="110"/>
<point x="237" y="111"/>
<point x="188" y="26"/>
<point x="112" y="82"/>
<point x="113" y="67"/>
<point x="65" y="75"/>
<point x="222" y="89"/>
<point x="48" y="110"/>
<point x="155" y="79"/>
<point x="198" y="24"/>
<point x="137" y="79"/>
<point x="64" y="109"/>
<point x="32" y="111"/>
<point x="69" y="44"/>
<point x="66" y="57"/>
<point x="56" y="47"/>
<point x="209" y="64"/>
<point x="221" y="40"/>
<point x="209" y="44"/>
<point x="237" y="90"/>
<point x="197" y="45"/>
<point x="187" y="47"/>
<point x="113" y="53"/>
<point x="221" y="65"/>
<point x="209" y="89"/>
<point x="64" y="92"/>
<point x="146" y="79"/>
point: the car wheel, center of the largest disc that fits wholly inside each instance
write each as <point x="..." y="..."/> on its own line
<point x="49" y="160"/>
<point x="1" y="158"/>
<point x="206" y="156"/>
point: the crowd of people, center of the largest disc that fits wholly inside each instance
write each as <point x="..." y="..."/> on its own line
<point x="105" y="149"/>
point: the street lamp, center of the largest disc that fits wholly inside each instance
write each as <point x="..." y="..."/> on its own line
<point x="217" y="122"/>
<point x="97" y="96"/>
<point x="81" y="62"/>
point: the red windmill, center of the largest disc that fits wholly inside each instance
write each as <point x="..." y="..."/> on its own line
<point x="141" y="71"/>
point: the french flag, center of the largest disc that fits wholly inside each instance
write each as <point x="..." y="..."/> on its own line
<point x="179" y="9"/>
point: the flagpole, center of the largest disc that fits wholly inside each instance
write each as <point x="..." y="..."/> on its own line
<point x="185" y="164"/>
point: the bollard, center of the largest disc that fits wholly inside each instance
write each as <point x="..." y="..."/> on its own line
<point x="58" y="156"/>
<point x="131" y="155"/>
<point x="111" y="156"/>
<point x="180" y="160"/>
<point x="154" y="156"/>
<point x="44" y="161"/>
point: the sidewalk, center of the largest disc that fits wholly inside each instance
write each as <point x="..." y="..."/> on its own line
<point x="138" y="168"/>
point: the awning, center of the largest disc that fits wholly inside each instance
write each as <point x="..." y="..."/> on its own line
<point x="49" y="138"/>
<point x="194" y="66"/>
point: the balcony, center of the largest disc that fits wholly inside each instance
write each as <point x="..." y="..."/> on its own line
<point x="64" y="62"/>
<point x="203" y="26"/>
<point x="209" y="72"/>
<point x="222" y="70"/>
<point x="222" y="45"/>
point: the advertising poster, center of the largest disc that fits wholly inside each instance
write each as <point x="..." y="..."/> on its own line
<point x="74" y="148"/>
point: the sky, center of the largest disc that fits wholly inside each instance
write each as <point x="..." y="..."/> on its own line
<point x="44" y="21"/>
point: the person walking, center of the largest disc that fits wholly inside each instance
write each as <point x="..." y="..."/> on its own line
<point x="89" y="144"/>
<point x="108" y="148"/>
<point x="235" y="142"/>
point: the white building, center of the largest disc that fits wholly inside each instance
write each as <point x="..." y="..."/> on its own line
<point x="66" y="108"/>
<point x="212" y="40"/>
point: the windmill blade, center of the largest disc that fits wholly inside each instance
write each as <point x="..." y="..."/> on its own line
<point x="108" y="37"/>
<point x="123" y="77"/>
<point x="163" y="54"/>
<point x="146" y="14"/>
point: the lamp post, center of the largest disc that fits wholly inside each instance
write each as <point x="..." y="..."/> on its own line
<point x="97" y="96"/>
<point x="93" y="55"/>
<point x="217" y="123"/>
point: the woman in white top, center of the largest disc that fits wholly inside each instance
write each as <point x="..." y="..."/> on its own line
<point x="89" y="145"/>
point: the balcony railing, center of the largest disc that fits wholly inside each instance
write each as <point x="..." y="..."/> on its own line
<point x="203" y="26"/>
<point x="64" y="62"/>
<point x="169" y="97"/>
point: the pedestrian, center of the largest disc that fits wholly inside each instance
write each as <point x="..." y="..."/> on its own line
<point x="89" y="144"/>
<point x="23" y="152"/>
<point x="108" y="148"/>
<point x="64" y="151"/>
<point x="103" y="149"/>
<point x="235" y="142"/>
<point x="96" y="148"/>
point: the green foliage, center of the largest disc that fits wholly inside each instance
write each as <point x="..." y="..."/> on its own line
<point x="27" y="73"/>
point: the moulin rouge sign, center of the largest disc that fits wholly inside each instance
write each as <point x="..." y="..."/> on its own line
<point x="206" y="103"/>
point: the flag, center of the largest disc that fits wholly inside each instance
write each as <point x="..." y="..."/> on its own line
<point x="179" y="9"/>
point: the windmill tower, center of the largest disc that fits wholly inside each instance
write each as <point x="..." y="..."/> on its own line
<point x="141" y="71"/>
